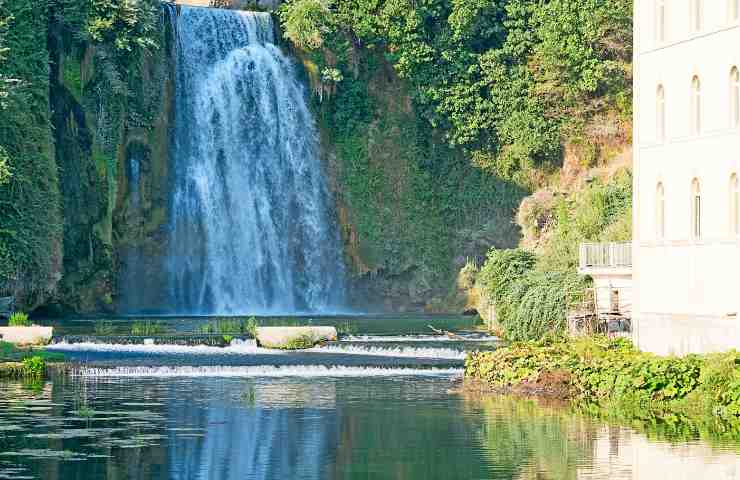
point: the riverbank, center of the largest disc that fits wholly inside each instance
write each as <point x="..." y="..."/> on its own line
<point x="692" y="396"/>
<point x="19" y="363"/>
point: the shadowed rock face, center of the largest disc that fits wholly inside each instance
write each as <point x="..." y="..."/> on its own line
<point x="251" y="229"/>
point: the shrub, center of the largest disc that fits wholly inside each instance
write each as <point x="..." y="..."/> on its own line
<point x="611" y="372"/>
<point x="530" y="304"/>
<point x="34" y="367"/>
<point x="19" y="319"/>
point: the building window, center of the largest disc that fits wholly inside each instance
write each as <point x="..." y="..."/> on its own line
<point x="734" y="10"/>
<point x="735" y="97"/>
<point x="695" y="210"/>
<point x="735" y="205"/>
<point x="695" y="14"/>
<point x="660" y="212"/>
<point x="695" y="106"/>
<point x="660" y="20"/>
<point x="660" y="113"/>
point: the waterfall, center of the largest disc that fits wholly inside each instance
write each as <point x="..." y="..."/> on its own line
<point x="251" y="227"/>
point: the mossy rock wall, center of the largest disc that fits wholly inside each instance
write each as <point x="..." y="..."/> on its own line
<point x="101" y="128"/>
<point x="411" y="208"/>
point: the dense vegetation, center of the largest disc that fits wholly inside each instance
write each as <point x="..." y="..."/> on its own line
<point x="533" y="290"/>
<point x="63" y="63"/>
<point x="505" y="84"/>
<point x="611" y="378"/>
<point x="505" y="79"/>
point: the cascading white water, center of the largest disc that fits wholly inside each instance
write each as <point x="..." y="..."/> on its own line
<point x="251" y="223"/>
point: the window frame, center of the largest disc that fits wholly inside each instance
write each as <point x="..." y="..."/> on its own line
<point x="660" y="21"/>
<point x="696" y="16"/>
<point x="696" y="106"/>
<point x="734" y="205"/>
<point x="696" y="211"/>
<point x="660" y="114"/>
<point x="660" y="211"/>
<point x="734" y="97"/>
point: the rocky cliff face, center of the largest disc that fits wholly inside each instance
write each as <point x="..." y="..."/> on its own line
<point x="110" y="147"/>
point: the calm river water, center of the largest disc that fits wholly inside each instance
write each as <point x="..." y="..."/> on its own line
<point x="371" y="407"/>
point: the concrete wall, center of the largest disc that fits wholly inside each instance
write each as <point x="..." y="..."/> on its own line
<point x="685" y="290"/>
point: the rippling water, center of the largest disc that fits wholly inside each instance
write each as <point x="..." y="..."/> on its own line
<point x="372" y="406"/>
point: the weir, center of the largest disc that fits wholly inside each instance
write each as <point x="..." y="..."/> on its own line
<point x="251" y="223"/>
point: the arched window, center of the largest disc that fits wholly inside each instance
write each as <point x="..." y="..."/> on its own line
<point x="695" y="106"/>
<point x="660" y="113"/>
<point x="660" y="20"/>
<point x="695" y="210"/>
<point x="660" y="212"/>
<point x="734" y="205"/>
<point x="734" y="10"/>
<point x="735" y="97"/>
<point x="695" y="14"/>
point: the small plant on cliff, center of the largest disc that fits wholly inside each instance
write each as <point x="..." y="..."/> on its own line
<point x="19" y="319"/>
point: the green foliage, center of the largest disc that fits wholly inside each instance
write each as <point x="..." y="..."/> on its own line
<point x="346" y="328"/>
<point x="148" y="328"/>
<point x="232" y="326"/>
<point x="529" y="304"/>
<point x="601" y="212"/>
<point x="505" y="79"/>
<point x="30" y="218"/>
<point x="126" y="24"/>
<point x="4" y="168"/>
<point x="301" y="342"/>
<point x="19" y="319"/>
<point x="34" y="367"/>
<point x="411" y="198"/>
<point x="618" y="380"/>
<point x="104" y="328"/>
<point x="304" y="22"/>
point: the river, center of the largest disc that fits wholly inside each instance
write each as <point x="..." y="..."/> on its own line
<point x="378" y="404"/>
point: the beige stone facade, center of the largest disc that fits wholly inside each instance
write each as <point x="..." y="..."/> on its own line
<point x="686" y="248"/>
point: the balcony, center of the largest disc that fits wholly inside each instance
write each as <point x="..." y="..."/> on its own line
<point x="605" y="258"/>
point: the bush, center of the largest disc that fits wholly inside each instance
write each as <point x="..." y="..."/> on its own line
<point x="530" y="304"/>
<point x="612" y="372"/>
<point x="19" y="319"/>
<point x="34" y="367"/>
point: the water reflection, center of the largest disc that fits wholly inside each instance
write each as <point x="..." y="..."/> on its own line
<point x="320" y="428"/>
<point x="527" y="440"/>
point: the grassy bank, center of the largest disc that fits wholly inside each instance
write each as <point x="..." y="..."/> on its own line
<point x="688" y="397"/>
<point x="25" y="363"/>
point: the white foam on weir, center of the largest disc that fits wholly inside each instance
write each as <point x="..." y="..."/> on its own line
<point x="245" y="347"/>
<point x="399" y="352"/>
<point x="264" y="371"/>
<point x="417" y="338"/>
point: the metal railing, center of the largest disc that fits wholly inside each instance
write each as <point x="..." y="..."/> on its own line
<point x="605" y="255"/>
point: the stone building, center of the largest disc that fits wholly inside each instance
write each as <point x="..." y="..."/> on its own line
<point x="686" y="239"/>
